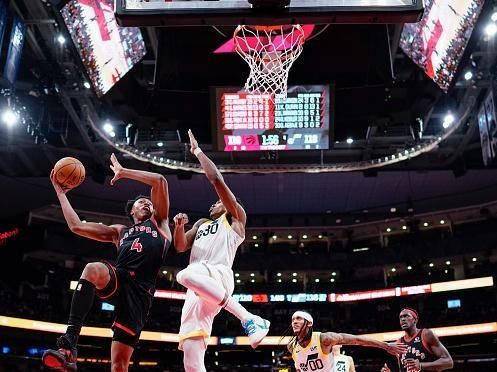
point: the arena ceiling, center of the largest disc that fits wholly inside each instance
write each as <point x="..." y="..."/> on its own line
<point x="169" y="91"/>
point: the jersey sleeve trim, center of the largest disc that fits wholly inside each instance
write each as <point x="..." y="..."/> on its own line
<point x="426" y="346"/>
<point x="225" y="221"/>
<point x="320" y="349"/>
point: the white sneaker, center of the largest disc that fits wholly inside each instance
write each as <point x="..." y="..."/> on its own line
<point x="256" y="329"/>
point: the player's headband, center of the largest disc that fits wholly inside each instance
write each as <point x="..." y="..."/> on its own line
<point x="304" y="315"/>
<point x="413" y="313"/>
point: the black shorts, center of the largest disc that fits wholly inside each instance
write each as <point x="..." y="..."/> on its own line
<point x="132" y="300"/>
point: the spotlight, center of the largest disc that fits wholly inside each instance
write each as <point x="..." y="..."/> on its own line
<point x="108" y="128"/>
<point x="448" y="120"/>
<point x="61" y="39"/>
<point x="160" y="144"/>
<point x="474" y="259"/>
<point x="491" y="29"/>
<point x="425" y="224"/>
<point x="389" y="229"/>
<point x="317" y="280"/>
<point x="332" y="280"/>
<point x="394" y="269"/>
<point x="256" y="245"/>
<point x="10" y="117"/>
<point x="334" y="273"/>
<point x="409" y="267"/>
<point x="393" y="210"/>
<point x="294" y="280"/>
<point x="442" y="222"/>
<point x="447" y="262"/>
<point x="164" y="272"/>
<point x="294" y="274"/>
<point x="254" y="237"/>
<point x="290" y="236"/>
<point x="238" y="281"/>
<point x="237" y="274"/>
<point x="252" y="281"/>
<point x="275" y="237"/>
<point x="350" y="141"/>
<point x="304" y="236"/>
<point x="279" y="280"/>
<point x="279" y="274"/>
<point x="404" y="227"/>
<point x="468" y="75"/>
<point x="431" y="264"/>
<point x="87" y="85"/>
<point x="252" y="274"/>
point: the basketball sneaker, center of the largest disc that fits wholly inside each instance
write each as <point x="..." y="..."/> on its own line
<point x="63" y="359"/>
<point x="256" y="329"/>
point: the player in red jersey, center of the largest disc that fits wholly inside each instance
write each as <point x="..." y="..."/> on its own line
<point x="130" y="283"/>
<point x="425" y="352"/>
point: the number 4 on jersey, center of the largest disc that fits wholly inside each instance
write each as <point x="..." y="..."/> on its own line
<point x="136" y="245"/>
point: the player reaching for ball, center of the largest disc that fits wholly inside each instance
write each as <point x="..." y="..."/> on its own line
<point x="130" y="283"/>
<point x="209" y="277"/>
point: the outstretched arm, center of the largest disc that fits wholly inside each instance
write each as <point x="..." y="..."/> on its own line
<point x="159" y="193"/>
<point x="184" y="241"/>
<point x="216" y="179"/>
<point x="329" y="339"/>
<point x="89" y="230"/>
<point x="444" y="360"/>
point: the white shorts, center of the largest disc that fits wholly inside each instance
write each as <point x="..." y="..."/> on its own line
<point x="198" y="314"/>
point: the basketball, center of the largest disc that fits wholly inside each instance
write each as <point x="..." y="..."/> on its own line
<point x="69" y="172"/>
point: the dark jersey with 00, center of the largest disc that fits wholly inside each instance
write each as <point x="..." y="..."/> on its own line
<point x="416" y="349"/>
<point x="142" y="249"/>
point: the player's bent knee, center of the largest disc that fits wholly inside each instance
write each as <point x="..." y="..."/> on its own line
<point x="96" y="273"/>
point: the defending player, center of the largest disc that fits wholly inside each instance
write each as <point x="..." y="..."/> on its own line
<point x="425" y="352"/>
<point x="130" y="283"/>
<point x="209" y="277"/>
<point x="311" y="351"/>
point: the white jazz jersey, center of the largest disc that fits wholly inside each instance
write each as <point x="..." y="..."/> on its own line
<point x="311" y="358"/>
<point x="215" y="243"/>
<point x="341" y="363"/>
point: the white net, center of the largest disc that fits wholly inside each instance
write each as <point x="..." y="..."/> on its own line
<point x="270" y="52"/>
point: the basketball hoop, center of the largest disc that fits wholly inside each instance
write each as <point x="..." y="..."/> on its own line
<point x="270" y="52"/>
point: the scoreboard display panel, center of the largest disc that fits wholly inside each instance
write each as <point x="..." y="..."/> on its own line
<point x="261" y="122"/>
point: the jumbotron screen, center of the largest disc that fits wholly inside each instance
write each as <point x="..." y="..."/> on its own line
<point x="107" y="51"/>
<point x="255" y="122"/>
<point x="437" y="42"/>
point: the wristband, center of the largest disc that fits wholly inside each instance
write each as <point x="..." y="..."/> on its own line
<point x="197" y="151"/>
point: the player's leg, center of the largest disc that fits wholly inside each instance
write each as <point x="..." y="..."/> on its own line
<point x="207" y="282"/>
<point x="95" y="276"/>
<point x="120" y="356"/>
<point x="193" y="354"/>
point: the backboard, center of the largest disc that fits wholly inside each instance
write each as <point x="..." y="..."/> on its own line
<point x="234" y="12"/>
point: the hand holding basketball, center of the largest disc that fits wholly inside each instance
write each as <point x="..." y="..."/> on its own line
<point x="58" y="188"/>
<point x="67" y="174"/>
<point x="116" y="168"/>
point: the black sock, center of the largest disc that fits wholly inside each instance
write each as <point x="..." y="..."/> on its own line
<point x="82" y="301"/>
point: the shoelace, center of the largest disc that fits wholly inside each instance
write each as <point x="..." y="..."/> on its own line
<point x="250" y="327"/>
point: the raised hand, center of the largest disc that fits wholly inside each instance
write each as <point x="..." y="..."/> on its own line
<point x="116" y="168"/>
<point x="180" y="220"/>
<point x="193" y="142"/>
<point x="58" y="188"/>
<point x="385" y="368"/>
<point x="396" y="348"/>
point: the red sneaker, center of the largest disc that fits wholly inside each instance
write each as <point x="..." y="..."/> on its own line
<point x="63" y="359"/>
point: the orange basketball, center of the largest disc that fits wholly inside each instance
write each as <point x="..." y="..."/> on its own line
<point x="69" y="172"/>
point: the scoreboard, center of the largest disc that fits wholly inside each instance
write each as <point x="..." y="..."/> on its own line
<point x="261" y="122"/>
